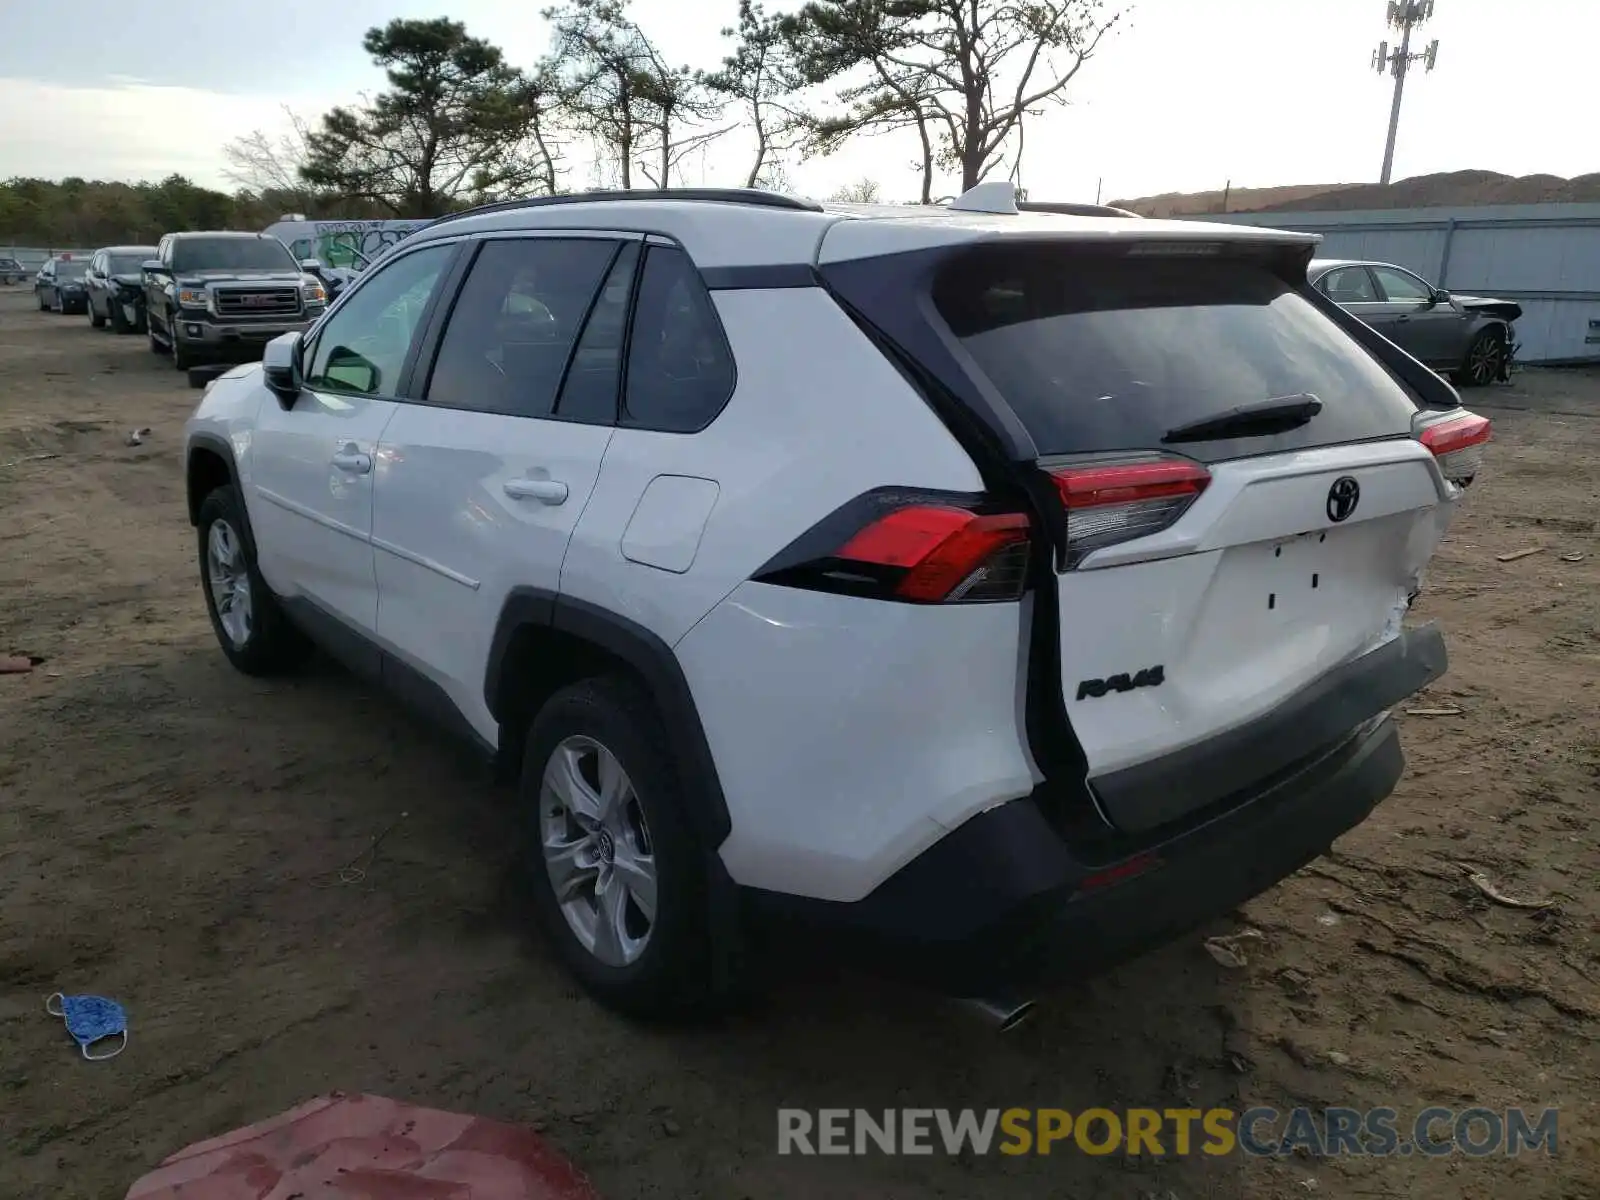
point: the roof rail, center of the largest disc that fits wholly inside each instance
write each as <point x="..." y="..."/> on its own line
<point x="1067" y="208"/>
<point x="751" y="196"/>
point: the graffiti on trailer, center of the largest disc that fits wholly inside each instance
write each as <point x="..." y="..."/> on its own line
<point x="349" y="244"/>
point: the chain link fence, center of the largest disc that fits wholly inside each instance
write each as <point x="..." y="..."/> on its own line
<point x="30" y="259"/>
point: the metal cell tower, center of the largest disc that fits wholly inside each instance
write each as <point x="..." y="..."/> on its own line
<point x="1404" y="15"/>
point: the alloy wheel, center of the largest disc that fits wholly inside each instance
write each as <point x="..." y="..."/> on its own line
<point x="230" y="582"/>
<point x="597" y="851"/>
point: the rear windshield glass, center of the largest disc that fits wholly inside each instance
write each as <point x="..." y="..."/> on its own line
<point x="231" y="254"/>
<point x="1100" y="352"/>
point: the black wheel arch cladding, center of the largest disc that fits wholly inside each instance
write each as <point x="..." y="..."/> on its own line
<point x="649" y="658"/>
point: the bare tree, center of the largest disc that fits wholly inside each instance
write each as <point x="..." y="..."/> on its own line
<point x="680" y="105"/>
<point x="263" y="162"/>
<point x="761" y="76"/>
<point x="862" y="191"/>
<point x="640" y="112"/>
<point x="963" y="73"/>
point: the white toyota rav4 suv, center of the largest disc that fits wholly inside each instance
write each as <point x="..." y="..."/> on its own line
<point x="1001" y="592"/>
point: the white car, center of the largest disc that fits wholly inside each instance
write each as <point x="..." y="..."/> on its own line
<point x="1001" y="592"/>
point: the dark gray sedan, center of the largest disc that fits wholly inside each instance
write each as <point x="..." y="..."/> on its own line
<point x="1471" y="337"/>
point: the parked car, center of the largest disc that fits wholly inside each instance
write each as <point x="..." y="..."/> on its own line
<point x="220" y="297"/>
<point x="115" y="285"/>
<point x="59" y="285"/>
<point x="1471" y="337"/>
<point x="1003" y="592"/>
<point x="11" y="271"/>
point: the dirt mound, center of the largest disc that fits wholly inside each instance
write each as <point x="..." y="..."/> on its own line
<point x="1451" y="188"/>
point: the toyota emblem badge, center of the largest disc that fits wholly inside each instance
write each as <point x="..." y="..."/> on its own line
<point x="1343" y="497"/>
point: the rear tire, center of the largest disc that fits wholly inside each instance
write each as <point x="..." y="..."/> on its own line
<point x="1484" y="360"/>
<point x="636" y="874"/>
<point x="250" y="624"/>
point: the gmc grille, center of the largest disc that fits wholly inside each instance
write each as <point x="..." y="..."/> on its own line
<point x="258" y="302"/>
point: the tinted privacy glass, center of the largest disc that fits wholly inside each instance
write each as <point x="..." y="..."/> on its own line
<point x="362" y="346"/>
<point x="231" y="254"/>
<point x="1110" y="352"/>
<point x="514" y="323"/>
<point x="590" y="391"/>
<point x="680" y="370"/>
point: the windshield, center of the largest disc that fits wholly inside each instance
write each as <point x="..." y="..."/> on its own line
<point x="232" y="254"/>
<point x="128" y="264"/>
<point x="1096" y="352"/>
<point x="70" y="270"/>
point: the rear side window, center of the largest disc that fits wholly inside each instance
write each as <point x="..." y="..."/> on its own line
<point x="1101" y="352"/>
<point x="680" y="370"/>
<point x="506" y="346"/>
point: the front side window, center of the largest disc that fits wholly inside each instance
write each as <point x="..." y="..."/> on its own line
<point x="362" y="347"/>
<point x="1401" y="287"/>
<point x="513" y="326"/>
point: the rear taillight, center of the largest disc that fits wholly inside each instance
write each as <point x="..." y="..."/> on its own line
<point x="912" y="551"/>
<point x="1457" y="443"/>
<point x="1108" y="503"/>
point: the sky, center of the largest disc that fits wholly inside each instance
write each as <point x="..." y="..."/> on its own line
<point x="1187" y="95"/>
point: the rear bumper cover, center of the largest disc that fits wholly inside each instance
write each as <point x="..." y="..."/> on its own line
<point x="1152" y="794"/>
<point x="1004" y="903"/>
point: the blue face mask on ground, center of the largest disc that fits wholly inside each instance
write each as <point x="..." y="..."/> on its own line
<point x="91" y="1020"/>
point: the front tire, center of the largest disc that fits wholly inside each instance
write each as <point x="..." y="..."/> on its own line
<point x="119" y="322"/>
<point x="249" y="623"/>
<point x="182" y="358"/>
<point x="618" y="881"/>
<point x="95" y="318"/>
<point x="1485" y="359"/>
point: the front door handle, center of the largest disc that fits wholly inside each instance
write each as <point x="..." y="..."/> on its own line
<point x="546" y="491"/>
<point x="352" y="460"/>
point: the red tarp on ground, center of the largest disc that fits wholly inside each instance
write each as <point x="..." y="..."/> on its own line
<point x="341" y="1147"/>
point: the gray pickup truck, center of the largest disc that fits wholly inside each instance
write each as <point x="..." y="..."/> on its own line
<point x="221" y="297"/>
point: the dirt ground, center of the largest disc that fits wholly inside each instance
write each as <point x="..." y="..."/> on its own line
<point x="171" y="833"/>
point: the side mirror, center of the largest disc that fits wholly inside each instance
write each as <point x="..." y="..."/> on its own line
<point x="280" y="367"/>
<point x="315" y="265"/>
<point x="1440" y="296"/>
<point x="152" y="266"/>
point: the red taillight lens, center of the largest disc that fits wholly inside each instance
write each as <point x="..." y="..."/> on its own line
<point x="1109" y="503"/>
<point x="949" y="555"/>
<point x="1458" y="444"/>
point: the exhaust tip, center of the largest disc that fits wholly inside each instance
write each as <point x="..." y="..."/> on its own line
<point x="1003" y="1014"/>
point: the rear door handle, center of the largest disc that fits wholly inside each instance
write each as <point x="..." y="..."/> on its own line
<point x="352" y="460"/>
<point x="546" y="491"/>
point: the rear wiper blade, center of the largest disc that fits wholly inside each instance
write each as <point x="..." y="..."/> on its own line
<point x="1255" y="419"/>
